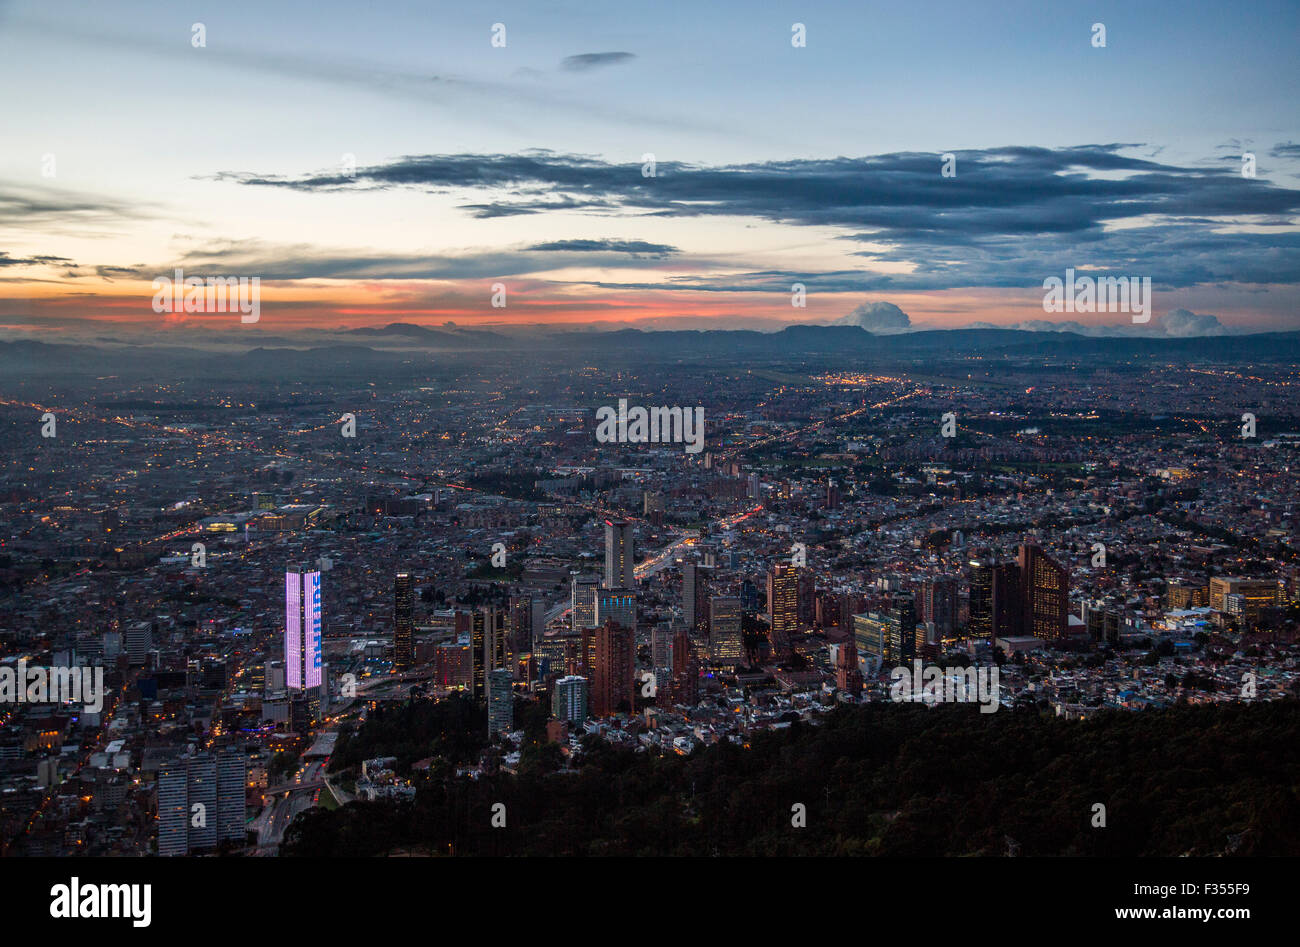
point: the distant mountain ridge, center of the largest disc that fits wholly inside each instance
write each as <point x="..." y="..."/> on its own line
<point x="424" y="348"/>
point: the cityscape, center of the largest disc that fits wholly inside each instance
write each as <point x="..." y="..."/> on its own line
<point x="266" y="592"/>
<point x="631" y="433"/>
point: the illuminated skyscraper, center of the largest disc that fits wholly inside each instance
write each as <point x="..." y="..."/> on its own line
<point x="783" y="601"/>
<point x="726" y="643"/>
<point x="1045" y="587"/>
<point x="619" y="560"/>
<point x="403" y="620"/>
<point x="302" y="637"/>
<point x="980" y="622"/>
<point x="582" y="601"/>
<point x="488" y="645"/>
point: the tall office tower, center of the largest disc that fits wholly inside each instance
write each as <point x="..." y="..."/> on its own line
<point x="215" y="782"/>
<point x="1045" y="590"/>
<point x="302" y="638"/>
<point x="783" y="601"/>
<point x="686" y="675"/>
<point x="582" y="601"/>
<point x="980" y="622"/>
<point x="519" y="624"/>
<point x="173" y="808"/>
<point x="661" y="652"/>
<point x="938" y="605"/>
<point x="807" y="599"/>
<point x="478" y="653"/>
<point x="501" y="701"/>
<point x="696" y="581"/>
<point x="232" y="789"/>
<point x="619" y="557"/>
<point x="726" y="642"/>
<point x="612" y="684"/>
<point x="618" y="605"/>
<point x="1008" y="601"/>
<point x="902" y="629"/>
<point x="848" y="676"/>
<point x="832" y="495"/>
<point x="569" y="699"/>
<point x="749" y="596"/>
<point x="537" y="621"/>
<point x="138" y="642"/>
<point x="488" y="642"/>
<point x="403" y="620"/>
<point x="755" y="487"/>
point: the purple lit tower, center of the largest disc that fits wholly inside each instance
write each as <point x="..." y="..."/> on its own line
<point x="302" y="637"/>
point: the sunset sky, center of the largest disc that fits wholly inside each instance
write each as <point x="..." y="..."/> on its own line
<point x="128" y="152"/>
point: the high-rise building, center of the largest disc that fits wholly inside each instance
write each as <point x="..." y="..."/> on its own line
<point x="726" y="642"/>
<point x="1008" y="601"/>
<point x="848" y="676"/>
<point x="569" y="699"/>
<point x="888" y="635"/>
<point x="661" y="651"/>
<point x="201" y="802"/>
<point x="902" y="629"/>
<point x="138" y="642"/>
<point x="696" y="580"/>
<point x="938" y="605"/>
<point x="302" y="629"/>
<point x="501" y="701"/>
<point x="614" y="670"/>
<point x="686" y="676"/>
<point x="979" y="624"/>
<point x="783" y="600"/>
<point x="582" y="601"/>
<point x="488" y="644"/>
<point x="403" y="620"/>
<point x="619" y="555"/>
<point x="1045" y="587"/>
<point x="519" y="625"/>
<point x="807" y="610"/>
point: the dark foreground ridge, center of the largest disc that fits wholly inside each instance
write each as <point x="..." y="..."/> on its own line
<point x="877" y="779"/>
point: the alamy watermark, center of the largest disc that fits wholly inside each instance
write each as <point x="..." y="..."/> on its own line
<point x="933" y="684"/>
<point x="52" y="685"/>
<point x="638" y="425"/>
<point x="1099" y="294"/>
<point x="240" y="294"/>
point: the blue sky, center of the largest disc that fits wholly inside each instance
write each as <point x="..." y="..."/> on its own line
<point x="221" y="158"/>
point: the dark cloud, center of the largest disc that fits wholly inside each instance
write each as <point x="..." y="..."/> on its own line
<point x="632" y="247"/>
<point x="1010" y="217"/>
<point x="7" y="260"/>
<point x="587" y="61"/>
